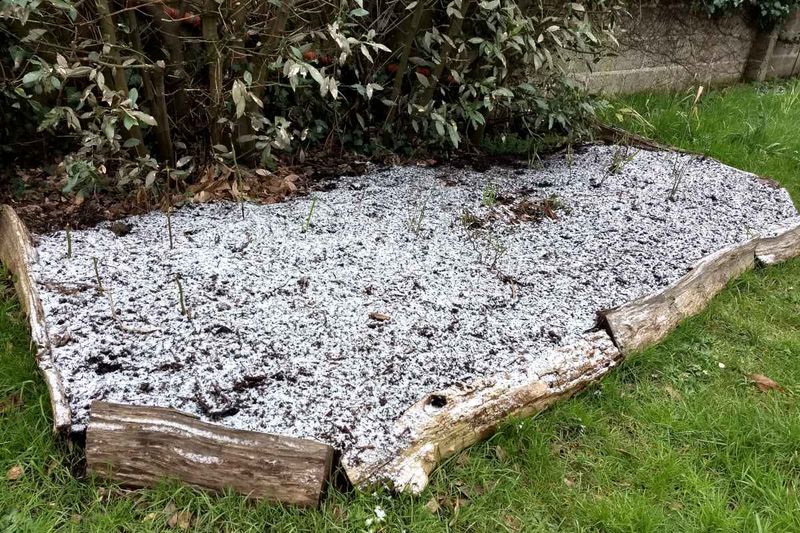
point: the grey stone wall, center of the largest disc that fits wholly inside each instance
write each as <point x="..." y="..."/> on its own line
<point x="665" y="46"/>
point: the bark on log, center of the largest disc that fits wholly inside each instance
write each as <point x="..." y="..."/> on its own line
<point x="139" y="446"/>
<point x="780" y="245"/>
<point x="646" y="321"/>
<point x="17" y="254"/>
<point x="444" y="423"/>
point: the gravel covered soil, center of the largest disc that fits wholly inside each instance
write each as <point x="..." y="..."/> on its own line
<point x="328" y="316"/>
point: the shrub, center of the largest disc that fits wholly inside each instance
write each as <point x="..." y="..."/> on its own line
<point x="141" y="85"/>
<point x="767" y="13"/>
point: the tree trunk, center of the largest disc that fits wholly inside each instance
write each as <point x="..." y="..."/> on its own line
<point x="154" y="94"/>
<point x="214" y="64"/>
<point x="109" y="32"/>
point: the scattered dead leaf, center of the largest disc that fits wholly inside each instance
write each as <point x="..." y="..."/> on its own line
<point x="672" y="393"/>
<point x="501" y="454"/>
<point x="433" y="505"/>
<point x="676" y="506"/>
<point x="120" y="229"/>
<point x="513" y="523"/>
<point x="180" y="520"/>
<point x="14" y="473"/>
<point x="380" y="317"/>
<point x="339" y="513"/>
<point x="150" y="517"/>
<point x="765" y="384"/>
<point x="10" y="402"/>
<point x="76" y="519"/>
<point x="569" y="482"/>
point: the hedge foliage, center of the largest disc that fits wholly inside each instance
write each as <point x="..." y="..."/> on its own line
<point x="767" y="13"/>
<point x="143" y="85"/>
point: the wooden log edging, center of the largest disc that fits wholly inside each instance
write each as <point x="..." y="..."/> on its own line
<point x="648" y="320"/>
<point x="468" y="415"/>
<point x="139" y="446"/>
<point x="440" y="425"/>
<point x="17" y="254"/>
<point x="444" y="423"/>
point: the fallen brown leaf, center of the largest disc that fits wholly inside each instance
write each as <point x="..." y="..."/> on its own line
<point x="180" y="520"/>
<point x="764" y="384"/>
<point x="339" y="513"/>
<point x="14" y="473"/>
<point x="513" y="523"/>
<point x="12" y="401"/>
<point x="380" y="317"/>
<point x="672" y="393"/>
<point x="501" y="454"/>
<point x="569" y="482"/>
<point x="433" y="505"/>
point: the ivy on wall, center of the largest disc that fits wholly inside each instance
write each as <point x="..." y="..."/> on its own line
<point x="766" y="13"/>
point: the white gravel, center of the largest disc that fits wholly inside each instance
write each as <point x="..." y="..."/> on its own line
<point x="280" y="337"/>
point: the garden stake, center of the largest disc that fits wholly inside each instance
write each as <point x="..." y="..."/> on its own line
<point x="97" y="276"/>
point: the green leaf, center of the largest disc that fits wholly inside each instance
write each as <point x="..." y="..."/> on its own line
<point x="239" y="93"/>
<point x="359" y="12"/>
<point x="144" y="118"/>
<point x="34" y="35"/>
<point x="32" y="77"/>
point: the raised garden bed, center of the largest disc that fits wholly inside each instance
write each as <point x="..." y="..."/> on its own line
<point x="400" y="316"/>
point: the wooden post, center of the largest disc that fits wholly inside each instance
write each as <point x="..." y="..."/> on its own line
<point x="139" y="446"/>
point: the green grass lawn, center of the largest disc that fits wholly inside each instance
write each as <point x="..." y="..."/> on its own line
<point x="677" y="439"/>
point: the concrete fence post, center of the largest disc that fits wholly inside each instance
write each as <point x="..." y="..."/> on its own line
<point x="758" y="63"/>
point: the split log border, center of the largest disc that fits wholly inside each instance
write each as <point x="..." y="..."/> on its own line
<point x="138" y="446"/>
<point x="17" y="254"/>
<point x="470" y="415"/>
<point x="445" y="422"/>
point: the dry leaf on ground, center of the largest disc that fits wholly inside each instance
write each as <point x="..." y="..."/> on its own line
<point x="380" y="317"/>
<point x="513" y="523"/>
<point x="432" y="505"/>
<point x="180" y="520"/>
<point x="12" y="401"/>
<point x="764" y="384"/>
<point x="14" y="473"/>
<point x="501" y="454"/>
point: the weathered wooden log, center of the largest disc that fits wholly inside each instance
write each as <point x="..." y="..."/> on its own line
<point x="139" y="446"/>
<point x="444" y="423"/>
<point x="17" y="254"/>
<point x="779" y="245"/>
<point x="646" y="321"/>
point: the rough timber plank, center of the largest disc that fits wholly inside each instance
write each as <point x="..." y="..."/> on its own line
<point x="138" y="446"/>
<point x="444" y="423"/>
<point x="17" y="253"/>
